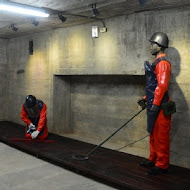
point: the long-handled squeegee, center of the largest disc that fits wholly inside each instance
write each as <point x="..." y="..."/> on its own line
<point x="82" y="157"/>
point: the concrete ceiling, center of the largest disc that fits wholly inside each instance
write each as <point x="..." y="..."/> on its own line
<point x="72" y="9"/>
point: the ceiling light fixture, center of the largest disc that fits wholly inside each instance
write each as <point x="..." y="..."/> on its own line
<point x="21" y="9"/>
<point x="35" y="22"/>
<point x="94" y="10"/>
<point x="62" y="18"/>
<point x="13" y="27"/>
<point x="142" y="2"/>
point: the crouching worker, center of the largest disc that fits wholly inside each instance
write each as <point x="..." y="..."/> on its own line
<point x="34" y="115"/>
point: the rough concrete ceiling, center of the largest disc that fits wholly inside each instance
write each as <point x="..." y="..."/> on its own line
<point x="107" y="9"/>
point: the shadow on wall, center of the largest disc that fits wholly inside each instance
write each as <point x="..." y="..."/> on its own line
<point x="180" y="120"/>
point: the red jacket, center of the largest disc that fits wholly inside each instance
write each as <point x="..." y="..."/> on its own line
<point x="43" y="118"/>
<point x="163" y="73"/>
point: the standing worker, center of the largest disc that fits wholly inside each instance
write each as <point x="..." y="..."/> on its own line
<point x="157" y="82"/>
<point x="34" y="115"/>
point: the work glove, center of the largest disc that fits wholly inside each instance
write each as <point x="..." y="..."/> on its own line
<point x="35" y="134"/>
<point x="142" y="103"/>
<point x="155" y="108"/>
<point x="31" y="127"/>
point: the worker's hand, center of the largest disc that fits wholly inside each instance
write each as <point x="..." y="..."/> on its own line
<point x="31" y="126"/>
<point x="35" y="134"/>
<point x="155" y="108"/>
<point x="142" y="103"/>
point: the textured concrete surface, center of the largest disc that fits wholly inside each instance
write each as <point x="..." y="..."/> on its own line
<point x="20" y="171"/>
<point x="107" y="9"/>
<point x="98" y="108"/>
<point x="4" y="81"/>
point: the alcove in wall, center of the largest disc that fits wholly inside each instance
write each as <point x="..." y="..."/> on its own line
<point x="94" y="106"/>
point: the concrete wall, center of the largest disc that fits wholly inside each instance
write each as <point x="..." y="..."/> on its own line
<point x="98" y="105"/>
<point x="121" y="51"/>
<point x="3" y="79"/>
<point x="28" y="74"/>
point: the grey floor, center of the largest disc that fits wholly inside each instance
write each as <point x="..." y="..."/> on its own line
<point x="20" y="171"/>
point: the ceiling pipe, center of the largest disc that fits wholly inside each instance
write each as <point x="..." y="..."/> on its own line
<point x="89" y="17"/>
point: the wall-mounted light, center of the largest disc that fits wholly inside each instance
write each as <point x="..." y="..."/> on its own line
<point x="22" y="9"/>
<point x="13" y="27"/>
<point x="95" y="31"/>
<point x="62" y="18"/>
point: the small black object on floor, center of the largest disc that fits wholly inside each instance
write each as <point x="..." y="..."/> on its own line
<point x="107" y="166"/>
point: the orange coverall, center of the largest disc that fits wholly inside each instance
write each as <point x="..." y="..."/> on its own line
<point x="159" y="139"/>
<point x="42" y="123"/>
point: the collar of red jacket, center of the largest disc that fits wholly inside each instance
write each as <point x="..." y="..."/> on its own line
<point x="161" y="55"/>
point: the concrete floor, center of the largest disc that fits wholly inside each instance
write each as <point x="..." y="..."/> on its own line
<point x="21" y="171"/>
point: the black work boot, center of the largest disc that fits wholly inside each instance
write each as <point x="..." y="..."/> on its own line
<point x="147" y="164"/>
<point x="156" y="170"/>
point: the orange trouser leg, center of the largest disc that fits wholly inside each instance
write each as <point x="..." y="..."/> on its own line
<point x="152" y="156"/>
<point x="159" y="141"/>
<point x="40" y="136"/>
<point x="28" y="136"/>
<point x="44" y="134"/>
